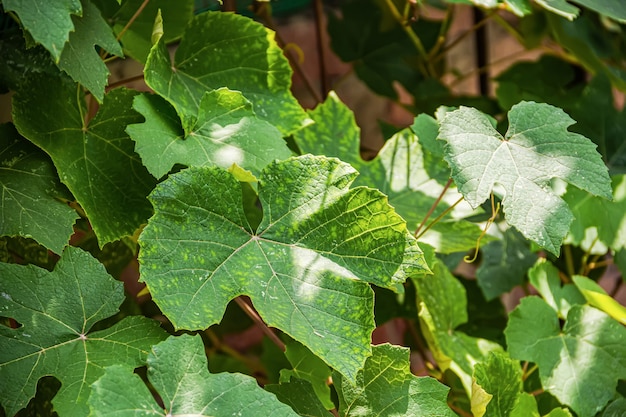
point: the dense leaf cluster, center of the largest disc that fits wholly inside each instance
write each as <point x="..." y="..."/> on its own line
<point x="218" y="191"/>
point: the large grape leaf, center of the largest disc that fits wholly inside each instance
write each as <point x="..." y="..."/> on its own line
<point x="579" y="364"/>
<point x="608" y="218"/>
<point x="226" y="50"/>
<point x="442" y="308"/>
<point x="386" y="387"/>
<point x="80" y="59"/>
<point x="177" y="369"/>
<point x="536" y="148"/>
<point x="226" y="132"/>
<point x="48" y="21"/>
<point x="306" y="267"/>
<point x="406" y="169"/>
<point x="56" y="310"/>
<point x="33" y="199"/>
<point x="96" y="161"/>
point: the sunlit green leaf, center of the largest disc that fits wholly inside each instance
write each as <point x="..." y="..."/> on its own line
<point x="57" y="310"/>
<point x="545" y="278"/>
<point x="598" y="298"/>
<point x="501" y="378"/>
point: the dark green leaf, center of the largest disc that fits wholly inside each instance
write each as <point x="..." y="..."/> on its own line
<point x="226" y="50"/>
<point x="504" y="264"/>
<point x="226" y="132"/>
<point x="48" y="21"/>
<point x="20" y="63"/>
<point x="611" y="8"/>
<point x="33" y="200"/>
<point x="386" y="387"/>
<point x="300" y="396"/>
<point x="305" y="268"/>
<point x="56" y="310"/>
<point x="177" y="369"/>
<point x="95" y="161"/>
<point x="536" y="148"/>
<point x="580" y="364"/>
<point x="79" y="57"/>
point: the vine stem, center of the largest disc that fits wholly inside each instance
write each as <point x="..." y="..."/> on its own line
<point x="319" y="16"/>
<point x="132" y="19"/>
<point x="251" y="312"/>
<point x="441" y="216"/>
<point x="432" y="208"/>
<point x="230" y="351"/>
<point x="441" y="53"/>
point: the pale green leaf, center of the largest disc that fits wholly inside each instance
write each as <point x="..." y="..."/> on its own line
<point x="409" y="169"/>
<point x="96" y="161"/>
<point x="536" y="148"/>
<point x="226" y="132"/>
<point x="226" y="50"/>
<point x="598" y="298"/>
<point x="306" y="267"/>
<point x="501" y="378"/>
<point x="386" y="387"/>
<point x="579" y="364"/>
<point x="442" y="308"/>
<point x="545" y="278"/>
<point x="504" y="264"/>
<point x="308" y="367"/>
<point x="33" y="199"/>
<point x="526" y="406"/>
<point x="177" y="369"/>
<point x="48" y="21"/>
<point x="80" y="59"/>
<point x="56" y="310"/>
<point x="608" y="218"/>
<point x="300" y="396"/>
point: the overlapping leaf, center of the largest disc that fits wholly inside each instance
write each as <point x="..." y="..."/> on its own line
<point x="56" y="310"/>
<point x="545" y="278"/>
<point x="386" y="387"/>
<point x="579" y="364"/>
<point x="497" y="386"/>
<point x="306" y="267"/>
<point x="536" y="148"/>
<point x="443" y="308"/>
<point x="407" y="169"/>
<point x="48" y="21"/>
<point x="226" y="50"/>
<point x="31" y="194"/>
<point x="300" y="396"/>
<point x="177" y="369"/>
<point x="226" y="132"/>
<point x="96" y="161"/>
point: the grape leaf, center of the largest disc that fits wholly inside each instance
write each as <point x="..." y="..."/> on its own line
<point x="386" y="387"/>
<point x="607" y="217"/>
<point x="443" y="308"/>
<point x="48" y="21"/>
<point x="56" y="310"/>
<point x="79" y="57"/>
<point x="226" y="132"/>
<point x="501" y="378"/>
<point x="504" y="264"/>
<point x="580" y="364"/>
<point x="545" y="278"/>
<point x="96" y="161"/>
<point x="306" y="267"/>
<point x="177" y="369"/>
<point x="308" y="367"/>
<point x="136" y="38"/>
<point x="411" y="176"/>
<point x="300" y="396"/>
<point x="611" y="8"/>
<point x="536" y="148"/>
<point x="598" y="298"/>
<point x="560" y="7"/>
<point x="226" y="50"/>
<point x="32" y="196"/>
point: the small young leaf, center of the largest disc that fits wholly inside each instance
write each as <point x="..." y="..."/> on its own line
<point x="96" y="162"/>
<point x="226" y="50"/>
<point x="598" y="298"/>
<point x="545" y="278"/>
<point x="536" y="148"/>
<point x="442" y="308"/>
<point x="177" y="369"/>
<point x="32" y="195"/>
<point x="306" y="267"/>
<point x="386" y="387"/>
<point x="226" y="132"/>
<point x="581" y="364"/>
<point x="56" y="310"/>
<point x="501" y="378"/>
<point x="48" y="21"/>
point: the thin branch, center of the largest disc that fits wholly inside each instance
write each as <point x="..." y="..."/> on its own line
<point x="441" y="216"/>
<point x="251" y="312"/>
<point x="253" y="366"/>
<point x="442" y="53"/>
<point x="319" y="18"/>
<point x="124" y="82"/>
<point x="433" y="207"/>
<point x="132" y="19"/>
